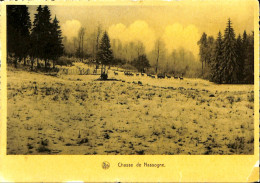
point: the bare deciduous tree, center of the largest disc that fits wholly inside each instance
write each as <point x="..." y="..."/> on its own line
<point x="159" y="47"/>
<point x="81" y="42"/>
<point x="140" y="48"/>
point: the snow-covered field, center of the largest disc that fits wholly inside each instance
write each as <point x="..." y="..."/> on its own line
<point x="75" y="114"/>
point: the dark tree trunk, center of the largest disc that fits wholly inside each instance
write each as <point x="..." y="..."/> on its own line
<point x="82" y="49"/>
<point x="45" y="60"/>
<point x="157" y="60"/>
<point x="202" y="68"/>
<point x="15" y="62"/>
<point x="38" y="66"/>
<point x="32" y="62"/>
<point x="79" y="50"/>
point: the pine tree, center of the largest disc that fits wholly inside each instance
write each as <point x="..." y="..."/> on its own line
<point x="245" y="40"/>
<point x="105" y="54"/>
<point x="209" y="56"/>
<point x="216" y="64"/>
<point x="56" y="41"/>
<point x="46" y="40"/>
<point x="141" y="63"/>
<point x="36" y="50"/>
<point x="18" y="31"/>
<point x="11" y="29"/>
<point x="249" y="61"/>
<point x="230" y="66"/>
<point x="240" y="52"/>
<point x="245" y="43"/>
<point x="210" y="50"/>
<point x="203" y="49"/>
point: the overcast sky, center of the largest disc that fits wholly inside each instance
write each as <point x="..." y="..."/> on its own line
<point x="178" y="24"/>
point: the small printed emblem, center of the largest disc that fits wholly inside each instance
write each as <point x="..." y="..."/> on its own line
<point x="105" y="165"/>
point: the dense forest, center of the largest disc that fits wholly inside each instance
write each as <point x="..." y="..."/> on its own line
<point x="227" y="59"/>
<point x="40" y="45"/>
<point x="40" y="40"/>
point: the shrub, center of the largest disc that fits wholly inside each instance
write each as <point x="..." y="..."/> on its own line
<point x="128" y="67"/>
<point x="250" y="97"/>
<point x="64" y="61"/>
<point x="238" y="99"/>
<point x="43" y="148"/>
<point x="237" y="145"/>
<point x="231" y="99"/>
<point x="104" y="76"/>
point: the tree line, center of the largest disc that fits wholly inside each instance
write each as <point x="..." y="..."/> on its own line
<point x="132" y="55"/>
<point x="227" y="59"/>
<point x="40" y="40"/>
<point x="105" y="57"/>
<point x="101" y="51"/>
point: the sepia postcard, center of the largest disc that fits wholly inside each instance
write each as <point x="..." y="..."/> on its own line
<point x="129" y="91"/>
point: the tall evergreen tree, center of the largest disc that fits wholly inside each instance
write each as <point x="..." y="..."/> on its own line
<point x="18" y="31"/>
<point x="245" y="43"/>
<point x="36" y="50"/>
<point x="56" y="41"/>
<point x="11" y="29"/>
<point x="230" y="67"/>
<point x="245" y="40"/>
<point x="240" y="52"/>
<point x="210" y="50"/>
<point x="216" y="64"/>
<point x="249" y="61"/>
<point x="46" y="40"/>
<point x="105" y="54"/>
<point x="203" y="43"/>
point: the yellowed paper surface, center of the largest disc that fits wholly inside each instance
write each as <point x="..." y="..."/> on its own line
<point x="80" y="163"/>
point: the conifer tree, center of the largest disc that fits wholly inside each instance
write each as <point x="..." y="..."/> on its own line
<point x="240" y="52"/>
<point x="105" y="54"/>
<point x="36" y="50"/>
<point x="141" y="63"/>
<point x="203" y="49"/>
<point x="11" y="29"/>
<point x="56" y="41"/>
<point x="249" y="61"/>
<point x="46" y="40"/>
<point x="229" y="65"/>
<point x="18" y="31"/>
<point x="245" y="40"/>
<point x="216" y="64"/>
<point x="210" y="50"/>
